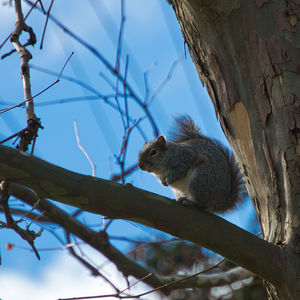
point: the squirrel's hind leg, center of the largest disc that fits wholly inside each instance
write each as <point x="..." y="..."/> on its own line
<point x="185" y="201"/>
<point x="190" y="204"/>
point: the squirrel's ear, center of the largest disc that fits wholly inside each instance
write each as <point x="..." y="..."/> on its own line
<point x="161" y="141"/>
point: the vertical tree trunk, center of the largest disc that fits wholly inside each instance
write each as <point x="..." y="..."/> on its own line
<point x="246" y="55"/>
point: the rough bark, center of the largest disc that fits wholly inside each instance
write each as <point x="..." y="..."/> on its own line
<point x="247" y="55"/>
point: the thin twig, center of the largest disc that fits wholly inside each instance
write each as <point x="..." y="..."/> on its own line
<point x="93" y="270"/>
<point x="29" y="212"/>
<point x="138" y="281"/>
<point x="106" y="63"/>
<point x="122" y="155"/>
<point x="41" y="92"/>
<point x="146" y="81"/>
<point x="116" y="295"/>
<point x="120" y="38"/>
<point x="116" y="177"/>
<point x="164" y="82"/>
<point x="47" y="18"/>
<point x="86" y="86"/>
<point x="33" y="144"/>
<point x="13" y="135"/>
<point x="125" y="94"/>
<point x="117" y="66"/>
<point x="83" y="150"/>
<point x="106" y="225"/>
<point x="146" y="243"/>
<point x="182" y="279"/>
<point x="14" y="50"/>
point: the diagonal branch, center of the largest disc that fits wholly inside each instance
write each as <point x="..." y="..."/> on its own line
<point x="56" y="215"/>
<point x="124" y="201"/>
<point x="98" y="240"/>
<point x="25" y="234"/>
<point x="94" y="271"/>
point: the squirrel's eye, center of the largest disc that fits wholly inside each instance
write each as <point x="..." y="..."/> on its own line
<point x="153" y="152"/>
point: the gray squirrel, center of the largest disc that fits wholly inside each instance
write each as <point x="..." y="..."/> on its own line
<point x="201" y="171"/>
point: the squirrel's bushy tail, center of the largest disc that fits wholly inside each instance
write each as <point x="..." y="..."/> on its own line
<point x="237" y="190"/>
<point x="185" y="129"/>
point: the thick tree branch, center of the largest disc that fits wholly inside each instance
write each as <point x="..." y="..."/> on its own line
<point x="124" y="201"/>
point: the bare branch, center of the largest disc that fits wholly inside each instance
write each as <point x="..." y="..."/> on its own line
<point x="83" y="150"/>
<point x="27" y="235"/>
<point x="41" y="92"/>
<point x="164" y="82"/>
<point x="98" y="240"/>
<point x="146" y="81"/>
<point x="116" y="295"/>
<point x="125" y="94"/>
<point x="181" y="279"/>
<point x="18" y="134"/>
<point x="124" y="201"/>
<point x="210" y="280"/>
<point x="28" y="215"/>
<point x="28" y="134"/>
<point x="116" y="177"/>
<point x="46" y="22"/>
<point x="101" y="244"/>
<point x="4" y="42"/>
<point x="122" y="155"/>
<point x="120" y="38"/>
<point x="94" y="271"/>
<point x="86" y="86"/>
<point x="32" y="121"/>
<point x="106" y="63"/>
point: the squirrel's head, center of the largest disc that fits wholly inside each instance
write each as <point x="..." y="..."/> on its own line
<point x="150" y="157"/>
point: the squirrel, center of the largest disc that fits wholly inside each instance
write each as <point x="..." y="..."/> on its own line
<point x="202" y="172"/>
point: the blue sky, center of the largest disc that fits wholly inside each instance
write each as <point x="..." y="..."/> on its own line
<point x="153" y="42"/>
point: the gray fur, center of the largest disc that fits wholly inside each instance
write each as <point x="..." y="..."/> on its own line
<point x="199" y="169"/>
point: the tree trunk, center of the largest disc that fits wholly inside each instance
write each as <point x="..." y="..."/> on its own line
<point x="246" y="55"/>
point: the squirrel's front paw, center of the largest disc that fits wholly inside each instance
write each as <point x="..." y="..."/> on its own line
<point x="164" y="181"/>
